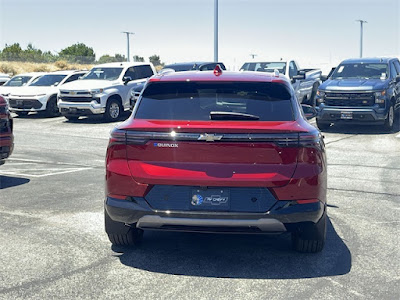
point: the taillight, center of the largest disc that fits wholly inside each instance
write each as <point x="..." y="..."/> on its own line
<point x="311" y="140"/>
<point x="3" y="106"/>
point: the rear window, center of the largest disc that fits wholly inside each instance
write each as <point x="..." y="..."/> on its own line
<point x="203" y="101"/>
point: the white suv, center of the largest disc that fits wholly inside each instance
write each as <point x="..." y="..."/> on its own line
<point x="106" y="90"/>
<point x="41" y="94"/>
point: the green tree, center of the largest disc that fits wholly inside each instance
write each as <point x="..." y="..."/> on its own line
<point x="138" y="58"/>
<point x="13" y="52"/>
<point x="78" y="53"/>
<point x="120" y="57"/>
<point x="155" y="60"/>
<point x="108" y="58"/>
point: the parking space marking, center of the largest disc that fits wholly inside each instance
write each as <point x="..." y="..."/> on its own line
<point x="50" y="172"/>
<point x="38" y="168"/>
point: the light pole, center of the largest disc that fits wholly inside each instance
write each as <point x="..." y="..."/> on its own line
<point x="127" y="40"/>
<point x="215" y="30"/>
<point x="361" y="36"/>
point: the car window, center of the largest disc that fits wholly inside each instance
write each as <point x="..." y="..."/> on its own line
<point x="265" y="67"/>
<point x="292" y="69"/>
<point x="73" y="77"/>
<point x="18" y="81"/>
<point x="361" y="70"/>
<point x="393" y="71"/>
<point x="48" y="80"/>
<point x="397" y="66"/>
<point x="143" y="71"/>
<point x="99" y="73"/>
<point x="198" y="100"/>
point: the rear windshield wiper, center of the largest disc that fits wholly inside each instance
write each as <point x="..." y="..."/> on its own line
<point x="226" y="115"/>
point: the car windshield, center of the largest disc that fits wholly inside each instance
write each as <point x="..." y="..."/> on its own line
<point x="18" y="81"/>
<point x="202" y="101"/>
<point x="103" y="74"/>
<point x="265" y="67"/>
<point x="48" y="80"/>
<point x="361" y="70"/>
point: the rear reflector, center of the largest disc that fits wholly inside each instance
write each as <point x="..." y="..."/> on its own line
<point x="121" y="197"/>
<point x="307" y="201"/>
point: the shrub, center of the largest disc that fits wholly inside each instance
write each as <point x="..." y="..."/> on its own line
<point x="7" y="69"/>
<point x="62" y="65"/>
<point x="41" y="68"/>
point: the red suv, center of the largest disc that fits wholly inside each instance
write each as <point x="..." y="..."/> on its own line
<point x="217" y="152"/>
<point x="6" y="131"/>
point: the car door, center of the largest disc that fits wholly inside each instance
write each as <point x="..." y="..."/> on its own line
<point x="139" y="75"/>
<point x="396" y="64"/>
<point x="295" y="83"/>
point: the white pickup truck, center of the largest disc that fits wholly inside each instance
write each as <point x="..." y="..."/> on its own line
<point x="106" y="90"/>
<point x="305" y="82"/>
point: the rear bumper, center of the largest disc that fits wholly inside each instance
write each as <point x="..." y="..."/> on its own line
<point x="366" y="116"/>
<point x="283" y="216"/>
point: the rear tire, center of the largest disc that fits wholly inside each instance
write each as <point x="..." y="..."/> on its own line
<point x="388" y="126"/>
<point x="113" y="110"/>
<point x="52" y="108"/>
<point x="310" y="238"/>
<point x="120" y="234"/>
<point x="322" y="126"/>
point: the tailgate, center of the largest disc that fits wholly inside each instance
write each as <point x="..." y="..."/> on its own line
<point x="212" y="159"/>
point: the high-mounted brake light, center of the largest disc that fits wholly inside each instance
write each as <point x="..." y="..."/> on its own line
<point x="217" y="70"/>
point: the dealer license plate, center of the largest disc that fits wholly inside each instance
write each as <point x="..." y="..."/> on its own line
<point x="210" y="199"/>
<point x="346" y="115"/>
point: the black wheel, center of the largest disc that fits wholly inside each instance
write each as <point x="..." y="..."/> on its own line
<point x="120" y="234"/>
<point x="310" y="238"/>
<point x="322" y="126"/>
<point x="52" y="108"/>
<point x="71" y="118"/>
<point x="388" y="126"/>
<point x="22" y="113"/>
<point x="113" y="110"/>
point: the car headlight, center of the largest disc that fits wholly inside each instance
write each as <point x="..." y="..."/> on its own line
<point x="320" y="93"/>
<point x="96" y="91"/>
<point x="379" y="97"/>
<point x="380" y="94"/>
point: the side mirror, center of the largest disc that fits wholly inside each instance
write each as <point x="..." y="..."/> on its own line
<point x="126" y="79"/>
<point x="298" y="77"/>
<point x="309" y="111"/>
<point x="324" y="78"/>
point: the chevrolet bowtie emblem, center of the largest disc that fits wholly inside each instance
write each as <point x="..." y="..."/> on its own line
<point x="72" y="93"/>
<point x="210" y="137"/>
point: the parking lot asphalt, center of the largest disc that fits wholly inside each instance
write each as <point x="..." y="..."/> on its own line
<point x="54" y="245"/>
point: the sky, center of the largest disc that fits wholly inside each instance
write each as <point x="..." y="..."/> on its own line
<point x="317" y="33"/>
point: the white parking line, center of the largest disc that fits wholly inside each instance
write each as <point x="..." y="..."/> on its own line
<point x="17" y="173"/>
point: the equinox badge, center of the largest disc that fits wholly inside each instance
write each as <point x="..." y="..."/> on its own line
<point x="210" y="137"/>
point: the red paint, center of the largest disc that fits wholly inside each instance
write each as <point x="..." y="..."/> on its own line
<point x="6" y="133"/>
<point x="297" y="172"/>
